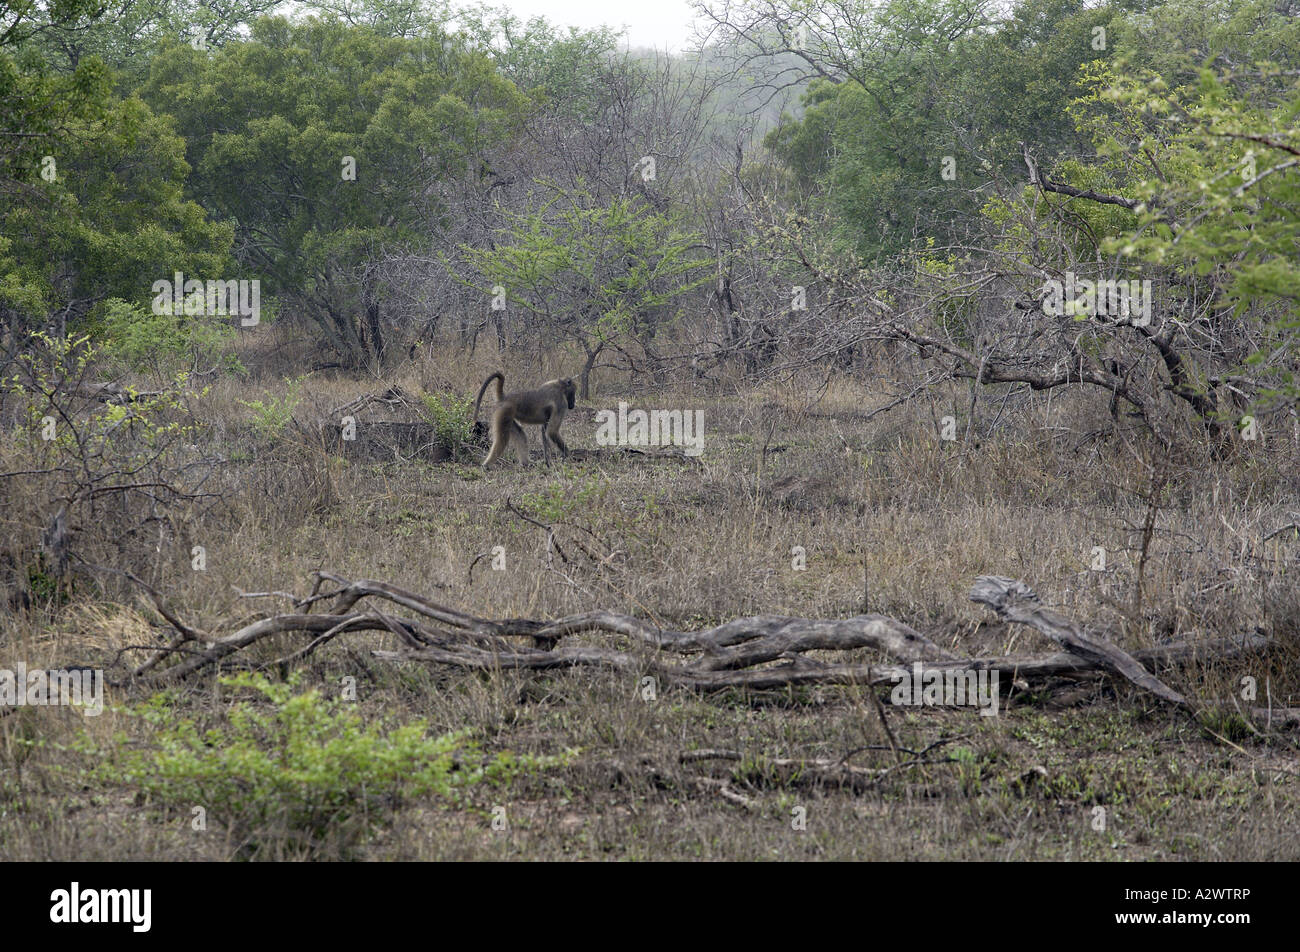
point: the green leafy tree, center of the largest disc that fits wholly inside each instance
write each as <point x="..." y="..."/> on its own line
<point x="94" y="206"/>
<point x="124" y="34"/>
<point x="1018" y="80"/>
<point x="914" y="108"/>
<point x="1192" y="186"/>
<point x="878" y="123"/>
<point x="599" y="275"/>
<point x="1219" y="205"/>
<point x="326" y="144"/>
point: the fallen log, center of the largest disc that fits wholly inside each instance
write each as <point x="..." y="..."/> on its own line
<point x="1016" y="601"/>
<point x="817" y="771"/>
<point x="760" y="652"/>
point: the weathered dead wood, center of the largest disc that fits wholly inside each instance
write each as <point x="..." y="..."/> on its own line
<point x="797" y="672"/>
<point x="1016" y="601"/>
<point x="109" y="392"/>
<point x="764" y="637"/>
<point x="817" y="771"/>
<point x="254" y="632"/>
<point x="477" y="643"/>
<point x="671" y="454"/>
<point x="760" y="652"/>
<point x="392" y="397"/>
<point x="184" y="632"/>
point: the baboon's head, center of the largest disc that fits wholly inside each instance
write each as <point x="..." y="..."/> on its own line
<point x="570" y="391"/>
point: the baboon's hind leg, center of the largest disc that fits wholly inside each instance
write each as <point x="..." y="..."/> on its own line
<point x="519" y="440"/>
<point x="494" y="453"/>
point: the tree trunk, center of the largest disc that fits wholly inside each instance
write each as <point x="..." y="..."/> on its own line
<point x="585" y="379"/>
<point x="376" y="331"/>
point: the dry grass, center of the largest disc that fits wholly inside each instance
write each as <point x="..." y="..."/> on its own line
<point x="885" y="503"/>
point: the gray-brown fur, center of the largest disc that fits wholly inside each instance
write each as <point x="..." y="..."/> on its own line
<point x="544" y="407"/>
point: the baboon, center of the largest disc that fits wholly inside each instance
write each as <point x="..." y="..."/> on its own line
<point x="545" y="406"/>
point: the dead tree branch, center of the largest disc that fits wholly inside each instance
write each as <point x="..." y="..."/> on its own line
<point x="760" y="652"/>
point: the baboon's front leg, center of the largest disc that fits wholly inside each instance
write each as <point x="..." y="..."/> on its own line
<point x="553" y="431"/>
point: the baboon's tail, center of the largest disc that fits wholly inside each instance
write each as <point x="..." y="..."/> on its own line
<point x="500" y="378"/>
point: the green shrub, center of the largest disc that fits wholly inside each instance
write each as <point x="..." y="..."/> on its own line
<point x="450" y="416"/>
<point x="114" y="468"/>
<point x="558" y="501"/>
<point x="302" y="775"/>
<point x="272" y="415"/>
<point x="141" y="339"/>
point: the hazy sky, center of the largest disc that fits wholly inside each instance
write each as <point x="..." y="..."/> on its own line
<point x="659" y="23"/>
